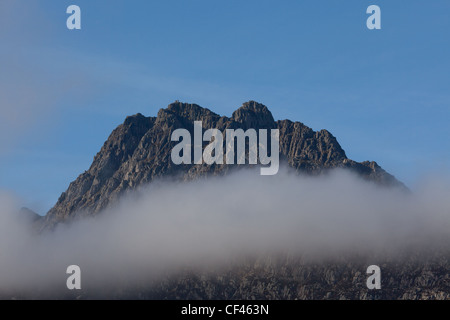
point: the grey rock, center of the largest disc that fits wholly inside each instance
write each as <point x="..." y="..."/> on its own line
<point x="138" y="151"/>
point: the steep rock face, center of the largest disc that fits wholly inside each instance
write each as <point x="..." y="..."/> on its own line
<point x="94" y="188"/>
<point x="139" y="150"/>
<point x="293" y="279"/>
<point x="308" y="150"/>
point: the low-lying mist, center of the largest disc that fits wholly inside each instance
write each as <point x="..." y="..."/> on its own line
<point x="214" y="222"/>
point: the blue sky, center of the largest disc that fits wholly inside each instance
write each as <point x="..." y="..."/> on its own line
<point x="384" y="94"/>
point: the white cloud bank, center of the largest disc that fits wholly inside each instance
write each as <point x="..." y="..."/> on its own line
<point x="211" y="222"/>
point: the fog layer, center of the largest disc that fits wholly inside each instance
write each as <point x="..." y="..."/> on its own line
<point x="214" y="222"/>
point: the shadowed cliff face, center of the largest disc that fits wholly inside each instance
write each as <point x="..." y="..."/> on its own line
<point x="139" y="151"/>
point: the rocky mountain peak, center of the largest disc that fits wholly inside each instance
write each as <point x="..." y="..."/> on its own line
<point x="139" y="151"/>
<point x="189" y="111"/>
<point x="134" y="119"/>
<point x="254" y="115"/>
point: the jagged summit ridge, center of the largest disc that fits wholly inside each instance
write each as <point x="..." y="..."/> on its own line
<point x="139" y="151"/>
<point x="254" y="115"/>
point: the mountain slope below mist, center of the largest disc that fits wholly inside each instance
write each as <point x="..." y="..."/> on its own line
<point x="139" y="151"/>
